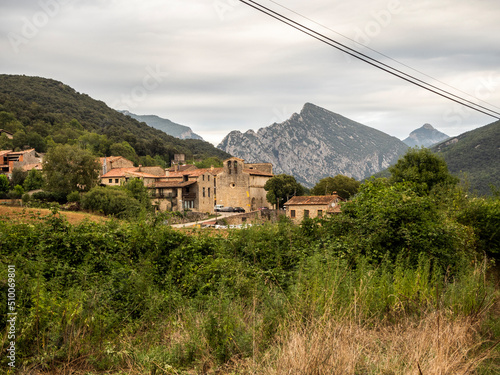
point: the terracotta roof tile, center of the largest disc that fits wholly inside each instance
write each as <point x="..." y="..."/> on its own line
<point x="312" y="200"/>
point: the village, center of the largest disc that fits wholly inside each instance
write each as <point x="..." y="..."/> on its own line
<point x="236" y="186"/>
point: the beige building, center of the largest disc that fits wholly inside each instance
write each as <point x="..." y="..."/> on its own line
<point x="300" y="208"/>
<point x="236" y="184"/>
<point x="118" y="176"/>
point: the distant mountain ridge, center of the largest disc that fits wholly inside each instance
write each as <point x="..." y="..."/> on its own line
<point x="317" y="143"/>
<point x="165" y="125"/>
<point x="425" y="136"/>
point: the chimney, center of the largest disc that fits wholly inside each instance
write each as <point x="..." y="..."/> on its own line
<point x="176" y="168"/>
<point x="212" y="167"/>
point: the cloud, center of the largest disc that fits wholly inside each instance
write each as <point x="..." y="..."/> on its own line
<point x="228" y="67"/>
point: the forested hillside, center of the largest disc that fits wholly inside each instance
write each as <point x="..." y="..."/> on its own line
<point x="475" y="154"/>
<point x="40" y="112"/>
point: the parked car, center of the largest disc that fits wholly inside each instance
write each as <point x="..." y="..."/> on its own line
<point x="238" y="209"/>
<point x="218" y="207"/>
<point x="226" y="209"/>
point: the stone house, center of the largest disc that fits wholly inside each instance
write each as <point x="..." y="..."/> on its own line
<point x="300" y="208"/>
<point x="9" y="160"/>
<point x="118" y="176"/>
<point x="113" y="162"/>
<point x="236" y="184"/>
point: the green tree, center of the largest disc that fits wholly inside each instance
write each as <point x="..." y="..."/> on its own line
<point x="208" y="162"/>
<point x="123" y="149"/>
<point x="343" y="185"/>
<point x="68" y="168"/>
<point x="4" y="184"/>
<point x="137" y="189"/>
<point x="282" y="187"/>
<point x="33" y="181"/>
<point x="422" y="167"/>
<point x="18" y="176"/>
<point x="114" y="201"/>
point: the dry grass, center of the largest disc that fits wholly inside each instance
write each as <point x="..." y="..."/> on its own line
<point x="435" y="344"/>
<point x="28" y="215"/>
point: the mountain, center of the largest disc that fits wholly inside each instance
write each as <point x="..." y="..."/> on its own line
<point x="317" y="143"/>
<point x="40" y="110"/>
<point x="425" y="136"/>
<point x="165" y="125"/>
<point x="477" y="154"/>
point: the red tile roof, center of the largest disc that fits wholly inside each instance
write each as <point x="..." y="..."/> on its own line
<point x="126" y="172"/>
<point x="313" y="200"/>
<point x="172" y="184"/>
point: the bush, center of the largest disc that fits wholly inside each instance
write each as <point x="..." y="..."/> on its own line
<point x="113" y="201"/>
<point x="74" y="196"/>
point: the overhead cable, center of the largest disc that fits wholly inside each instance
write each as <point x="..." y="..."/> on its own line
<point x="369" y="60"/>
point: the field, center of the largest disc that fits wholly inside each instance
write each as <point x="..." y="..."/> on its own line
<point x="25" y="215"/>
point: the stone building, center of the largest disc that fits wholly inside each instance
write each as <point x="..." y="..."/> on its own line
<point x="236" y="184"/>
<point x="300" y="208"/>
<point x="9" y="160"/>
<point x="118" y="176"/>
<point x="113" y="162"/>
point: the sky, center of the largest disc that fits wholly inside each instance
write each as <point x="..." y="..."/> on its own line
<point x="220" y="65"/>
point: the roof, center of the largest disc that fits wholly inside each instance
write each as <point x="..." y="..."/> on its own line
<point x="126" y="172"/>
<point x="21" y="152"/>
<point x="195" y="172"/>
<point x="256" y="172"/>
<point x="173" y="184"/>
<point x="313" y="200"/>
<point x="181" y="168"/>
<point x="5" y="152"/>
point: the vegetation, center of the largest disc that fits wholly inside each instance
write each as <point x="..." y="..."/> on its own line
<point x="42" y="112"/>
<point x="127" y="201"/>
<point x="398" y="283"/>
<point x="281" y="188"/>
<point x="68" y="168"/>
<point x="344" y="186"/>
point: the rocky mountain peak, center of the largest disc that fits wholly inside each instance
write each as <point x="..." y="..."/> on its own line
<point x="317" y="143"/>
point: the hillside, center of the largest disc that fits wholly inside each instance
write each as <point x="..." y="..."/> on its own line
<point x="165" y="125"/>
<point x="477" y="154"/>
<point x="39" y="111"/>
<point x="425" y="136"/>
<point x="317" y="143"/>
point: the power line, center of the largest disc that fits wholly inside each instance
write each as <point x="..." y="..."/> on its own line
<point x="369" y="60"/>
<point x="380" y="53"/>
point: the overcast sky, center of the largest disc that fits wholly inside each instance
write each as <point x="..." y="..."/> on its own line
<point x="219" y="65"/>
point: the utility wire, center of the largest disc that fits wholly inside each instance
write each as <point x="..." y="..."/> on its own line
<point x="380" y="53"/>
<point x="368" y="59"/>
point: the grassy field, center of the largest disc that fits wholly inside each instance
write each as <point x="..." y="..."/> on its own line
<point x="26" y="215"/>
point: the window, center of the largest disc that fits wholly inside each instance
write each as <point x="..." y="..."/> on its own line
<point x="116" y="180"/>
<point x="203" y="177"/>
<point x="235" y="167"/>
<point x="208" y="177"/>
<point x="110" y="180"/>
<point x="185" y="178"/>
<point x="306" y="214"/>
<point x="320" y="213"/>
<point x="292" y="214"/>
<point x="229" y="167"/>
<point x="209" y="192"/>
<point x="203" y="192"/>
